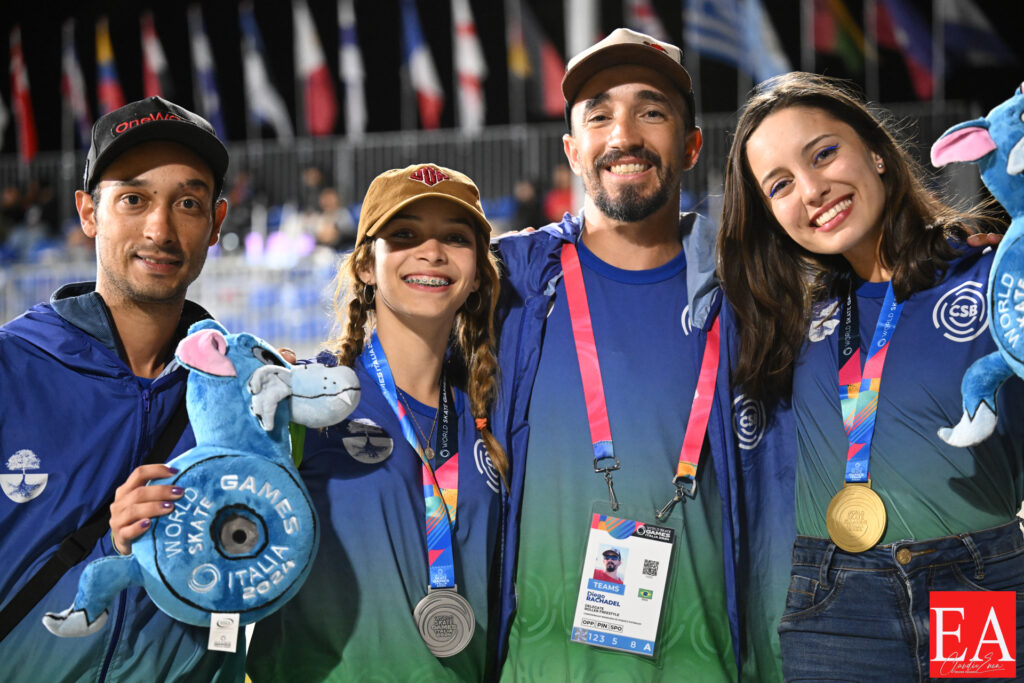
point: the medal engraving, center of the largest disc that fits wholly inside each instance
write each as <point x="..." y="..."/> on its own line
<point x="856" y="518"/>
<point x="445" y="621"/>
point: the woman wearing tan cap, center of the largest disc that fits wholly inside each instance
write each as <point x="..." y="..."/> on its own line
<point x="408" y="489"/>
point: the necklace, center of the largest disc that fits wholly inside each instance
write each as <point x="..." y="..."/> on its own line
<point x="427" y="442"/>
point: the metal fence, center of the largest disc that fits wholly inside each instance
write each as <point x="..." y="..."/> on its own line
<point x="285" y="303"/>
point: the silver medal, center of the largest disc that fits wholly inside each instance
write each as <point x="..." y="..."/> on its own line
<point x="445" y="620"/>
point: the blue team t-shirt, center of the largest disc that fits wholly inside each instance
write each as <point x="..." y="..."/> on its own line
<point x="645" y="347"/>
<point x="353" y="619"/>
<point x="930" y="489"/>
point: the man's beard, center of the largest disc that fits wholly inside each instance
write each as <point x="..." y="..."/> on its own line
<point x="631" y="205"/>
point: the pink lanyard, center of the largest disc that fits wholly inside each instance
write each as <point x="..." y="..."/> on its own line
<point x="597" y="408"/>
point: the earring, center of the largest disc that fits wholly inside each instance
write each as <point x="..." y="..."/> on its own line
<point x="880" y="165"/>
<point x="366" y="295"/>
<point x="476" y="308"/>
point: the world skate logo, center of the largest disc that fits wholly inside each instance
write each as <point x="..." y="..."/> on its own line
<point x="961" y="314"/>
<point x="748" y="421"/>
<point x="21" y="486"/>
<point x="428" y="175"/>
<point x="484" y="465"/>
<point x="365" y="441"/>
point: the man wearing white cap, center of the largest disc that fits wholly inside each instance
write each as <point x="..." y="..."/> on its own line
<point x="609" y="355"/>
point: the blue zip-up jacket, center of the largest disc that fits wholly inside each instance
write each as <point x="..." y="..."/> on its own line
<point x="74" y="423"/>
<point x="531" y="269"/>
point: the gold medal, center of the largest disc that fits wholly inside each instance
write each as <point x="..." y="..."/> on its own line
<point x="855" y="518"/>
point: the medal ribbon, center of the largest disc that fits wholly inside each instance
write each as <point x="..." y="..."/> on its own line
<point x="858" y="390"/>
<point x="593" y="386"/>
<point x="439" y="514"/>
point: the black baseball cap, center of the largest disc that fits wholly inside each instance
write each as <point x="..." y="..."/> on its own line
<point x="611" y="552"/>
<point x="153" y="118"/>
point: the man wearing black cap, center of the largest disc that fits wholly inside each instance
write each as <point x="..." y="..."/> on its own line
<point x="89" y="391"/>
<point x="610" y="323"/>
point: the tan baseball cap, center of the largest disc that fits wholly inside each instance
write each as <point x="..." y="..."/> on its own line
<point x="623" y="46"/>
<point x="392" y="190"/>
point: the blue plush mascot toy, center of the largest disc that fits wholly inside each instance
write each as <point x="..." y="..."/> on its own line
<point x="996" y="144"/>
<point x="243" y="537"/>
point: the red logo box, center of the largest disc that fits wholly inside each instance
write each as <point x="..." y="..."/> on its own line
<point x="972" y="634"/>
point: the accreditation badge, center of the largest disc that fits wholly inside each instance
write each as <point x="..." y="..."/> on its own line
<point x="622" y="586"/>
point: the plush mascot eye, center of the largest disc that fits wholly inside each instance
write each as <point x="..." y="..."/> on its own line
<point x="266" y="357"/>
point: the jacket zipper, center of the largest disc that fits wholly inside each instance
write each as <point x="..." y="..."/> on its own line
<point x="115" y="636"/>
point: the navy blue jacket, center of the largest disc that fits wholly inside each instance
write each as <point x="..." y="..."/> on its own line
<point x="74" y="422"/>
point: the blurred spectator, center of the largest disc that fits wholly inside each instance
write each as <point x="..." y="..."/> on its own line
<point x="559" y="199"/>
<point x="333" y="226"/>
<point x="237" y="224"/>
<point x="11" y="213"/>
<point x="311" y="182"/>
<point x="529" y="213"/>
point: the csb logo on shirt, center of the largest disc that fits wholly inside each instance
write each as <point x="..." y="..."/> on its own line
<point x="973" y="634"/>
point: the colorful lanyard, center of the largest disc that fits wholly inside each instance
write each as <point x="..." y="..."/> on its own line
<point x="597" y="408"/>
<point x="858" y="391"/>
<point x="440" y="488"/>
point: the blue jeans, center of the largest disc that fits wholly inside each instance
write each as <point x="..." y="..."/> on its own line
<point x="864" y="616"/>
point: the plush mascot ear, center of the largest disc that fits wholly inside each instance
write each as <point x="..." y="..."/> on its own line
<point x="206" y="351"/>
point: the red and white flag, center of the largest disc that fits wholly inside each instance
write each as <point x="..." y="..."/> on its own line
<point x="156" y="76"/>
<point x="319" y="100"/>
<point x="470" y="69"/>
<point x="422" y="71"/>
<point x="21" y="101"/>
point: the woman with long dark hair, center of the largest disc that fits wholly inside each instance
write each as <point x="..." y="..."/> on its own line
<point x="859" y="302"/>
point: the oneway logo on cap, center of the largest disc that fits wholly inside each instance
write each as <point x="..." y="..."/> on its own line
<point x="131" y="123"/>
<point x="428" y="175"/>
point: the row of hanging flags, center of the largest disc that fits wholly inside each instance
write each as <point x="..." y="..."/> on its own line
<point x="737" y="32"/>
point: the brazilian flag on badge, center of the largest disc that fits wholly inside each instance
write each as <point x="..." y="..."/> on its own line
<point x="645" y="593"/>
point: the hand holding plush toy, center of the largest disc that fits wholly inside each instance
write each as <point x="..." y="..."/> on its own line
<point x="996" y="144"/>
<point x="243" y="537"/>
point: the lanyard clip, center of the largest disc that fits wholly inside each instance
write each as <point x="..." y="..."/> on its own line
<point x="680" y="496"/>
<point x="607" y="470"/>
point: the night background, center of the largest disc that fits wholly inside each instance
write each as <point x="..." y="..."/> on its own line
<point x="379" y="35"/>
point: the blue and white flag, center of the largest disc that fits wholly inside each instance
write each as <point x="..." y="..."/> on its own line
<point x="763" y="50"/>
<point x="350" y="66"/>
<point x="970" y="36"/>
<point x="264" y="103"/>
<point x="72" y="87"/>
<point x="737" y="32"/>
<point x="206" y="95"/>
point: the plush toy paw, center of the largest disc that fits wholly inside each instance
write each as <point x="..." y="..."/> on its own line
<point x="970" y="431"/>
<point x="73" y="623"/>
